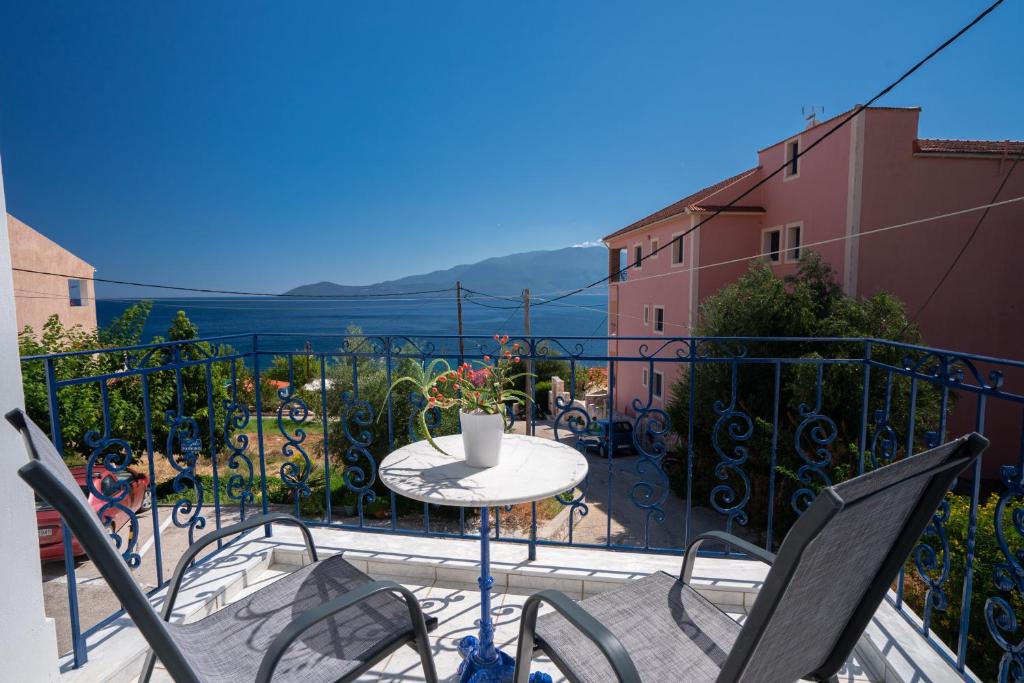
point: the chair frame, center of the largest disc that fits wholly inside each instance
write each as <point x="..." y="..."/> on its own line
<point x="153" y="626"/>
<point x="828" y="503"/>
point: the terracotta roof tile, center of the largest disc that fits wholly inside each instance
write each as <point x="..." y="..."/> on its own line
<point x="969" y="146"/>
<point x="710" y="208"/>
<point x="693" y="201"/>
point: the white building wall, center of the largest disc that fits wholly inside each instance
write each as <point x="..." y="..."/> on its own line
<point x="28" y="645"/>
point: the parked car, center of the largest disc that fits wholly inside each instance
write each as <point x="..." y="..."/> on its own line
<point x="621" y="438"/>
<point x="51" y="540"/>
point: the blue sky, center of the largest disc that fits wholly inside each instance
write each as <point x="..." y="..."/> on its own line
<point x="264" y="145"/>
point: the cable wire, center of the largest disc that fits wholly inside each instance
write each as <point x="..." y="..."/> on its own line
<point x="865" y="233"/>
<point x="853" y="113"/>
<point x="831" y="240"/>
<point x="204" y="290"/>
<point x="599" y="325"/>
<point x="963" y="249"/>
<point x="509" y="318"/>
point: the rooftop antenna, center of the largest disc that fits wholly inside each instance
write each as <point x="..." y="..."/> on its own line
<point x="810" y="113"/>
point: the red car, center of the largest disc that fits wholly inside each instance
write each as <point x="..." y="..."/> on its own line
<point x="51" y="541"/>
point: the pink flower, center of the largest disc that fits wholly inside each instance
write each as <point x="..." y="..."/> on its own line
<point x="479" y="377"/>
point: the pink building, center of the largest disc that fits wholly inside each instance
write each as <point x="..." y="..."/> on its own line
<point x="39" y="296"/>
<point x="873" y="172"/>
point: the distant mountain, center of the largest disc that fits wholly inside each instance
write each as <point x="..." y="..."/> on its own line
<point x="540" y="271"/>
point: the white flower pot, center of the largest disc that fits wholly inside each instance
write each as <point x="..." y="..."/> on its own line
<point x="481" y="438"/>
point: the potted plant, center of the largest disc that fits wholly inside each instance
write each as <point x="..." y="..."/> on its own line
<point x="480" y="391"/>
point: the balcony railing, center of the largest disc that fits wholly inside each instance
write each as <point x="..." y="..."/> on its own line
<point x="744" y="433"/>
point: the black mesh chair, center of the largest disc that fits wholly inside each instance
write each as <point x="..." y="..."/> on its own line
<point x="830" y="575"/>
<point x="325" y="622"/>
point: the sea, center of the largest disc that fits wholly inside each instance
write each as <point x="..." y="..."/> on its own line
<point x="291" y="324"/>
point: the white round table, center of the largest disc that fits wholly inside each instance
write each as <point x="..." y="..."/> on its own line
<point x="530" y="469"/>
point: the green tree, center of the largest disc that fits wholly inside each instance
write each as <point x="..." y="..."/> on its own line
<point x="80" y="406"/>
<point x="358" y="394"/>
<point x="204" y="386"/>
<point x="807" y="304"/>
<point x="305" y="369"/>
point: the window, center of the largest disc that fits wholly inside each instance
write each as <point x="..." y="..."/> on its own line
<point x="644" y="377"/>
<point x="659" y="384"/>
<point x="622" y="263"/>
<point x="75" y="292"/>
<point x="792" y="158"/>
<point x="793" y="242"/>
<point x="638" y="255"/>
<point x="659" y="319"/>
<point x="647" y="315"/>
<point x="771" y="244"/>
<point x="677" y="250"/>
<point x="654" y="247"/>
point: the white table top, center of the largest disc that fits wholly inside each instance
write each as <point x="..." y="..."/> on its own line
<point x="530" y="469"/>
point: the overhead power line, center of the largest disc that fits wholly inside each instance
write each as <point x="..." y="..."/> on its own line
<point x="967" y="243"/>
<point x="865" y="233"/>
<point x="832" y="240"/>
<point x="599" y="325"/>
<point x="853" y="113"/>
<point x="471" y="300"/>
<point x="203" y="290"/>
<point x="509" y="318"/>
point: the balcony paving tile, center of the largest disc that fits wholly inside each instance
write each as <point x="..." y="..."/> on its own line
<point x="454" y="599"/>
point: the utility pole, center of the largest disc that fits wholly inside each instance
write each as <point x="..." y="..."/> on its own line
<point x="530" y="427"/>
<point x="458" y="308"/>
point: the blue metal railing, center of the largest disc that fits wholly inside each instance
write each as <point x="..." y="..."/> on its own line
<point x="745" y="432"/>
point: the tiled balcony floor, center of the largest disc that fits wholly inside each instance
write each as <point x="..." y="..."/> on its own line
<point x="442" y="573"/>
<point x="457" y="608"/>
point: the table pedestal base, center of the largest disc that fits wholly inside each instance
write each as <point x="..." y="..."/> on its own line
<point x="482" y="662"/>
<point x="475" y="670"/>
<point x="498" y="670"/>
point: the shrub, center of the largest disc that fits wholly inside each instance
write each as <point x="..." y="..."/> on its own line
<point x="809" y="304"/>
<point x="542" y="394"/>
<point x="983" y="654"/>
<point x="80" y="405"/>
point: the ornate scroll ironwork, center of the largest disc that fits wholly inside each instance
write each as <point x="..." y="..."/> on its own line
<point x="928" y="561"/>
<point x="356" y="417"/>
<point x="112" y="456"/>
<point x="820" y="430"/>
<point x="579" y="423"/>
<point x="649" y="430"/>
<point x="239" y="487"/>
<point x="737" y="426"/>
<point x="183" y="449"/>
<point x="1008" y="576"/>
<point x="884" y="442"/>
<point x="294" y="471"/>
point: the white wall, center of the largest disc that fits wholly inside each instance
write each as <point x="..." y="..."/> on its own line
<point x="28" y="644"/>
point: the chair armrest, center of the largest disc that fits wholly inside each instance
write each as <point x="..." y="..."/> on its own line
<point x="195" y="548"/>
<point x="594" y="630"/>
<point x="190" y="554"/>
<point x="747" y="548"/>
<point x="317" y="614"/>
